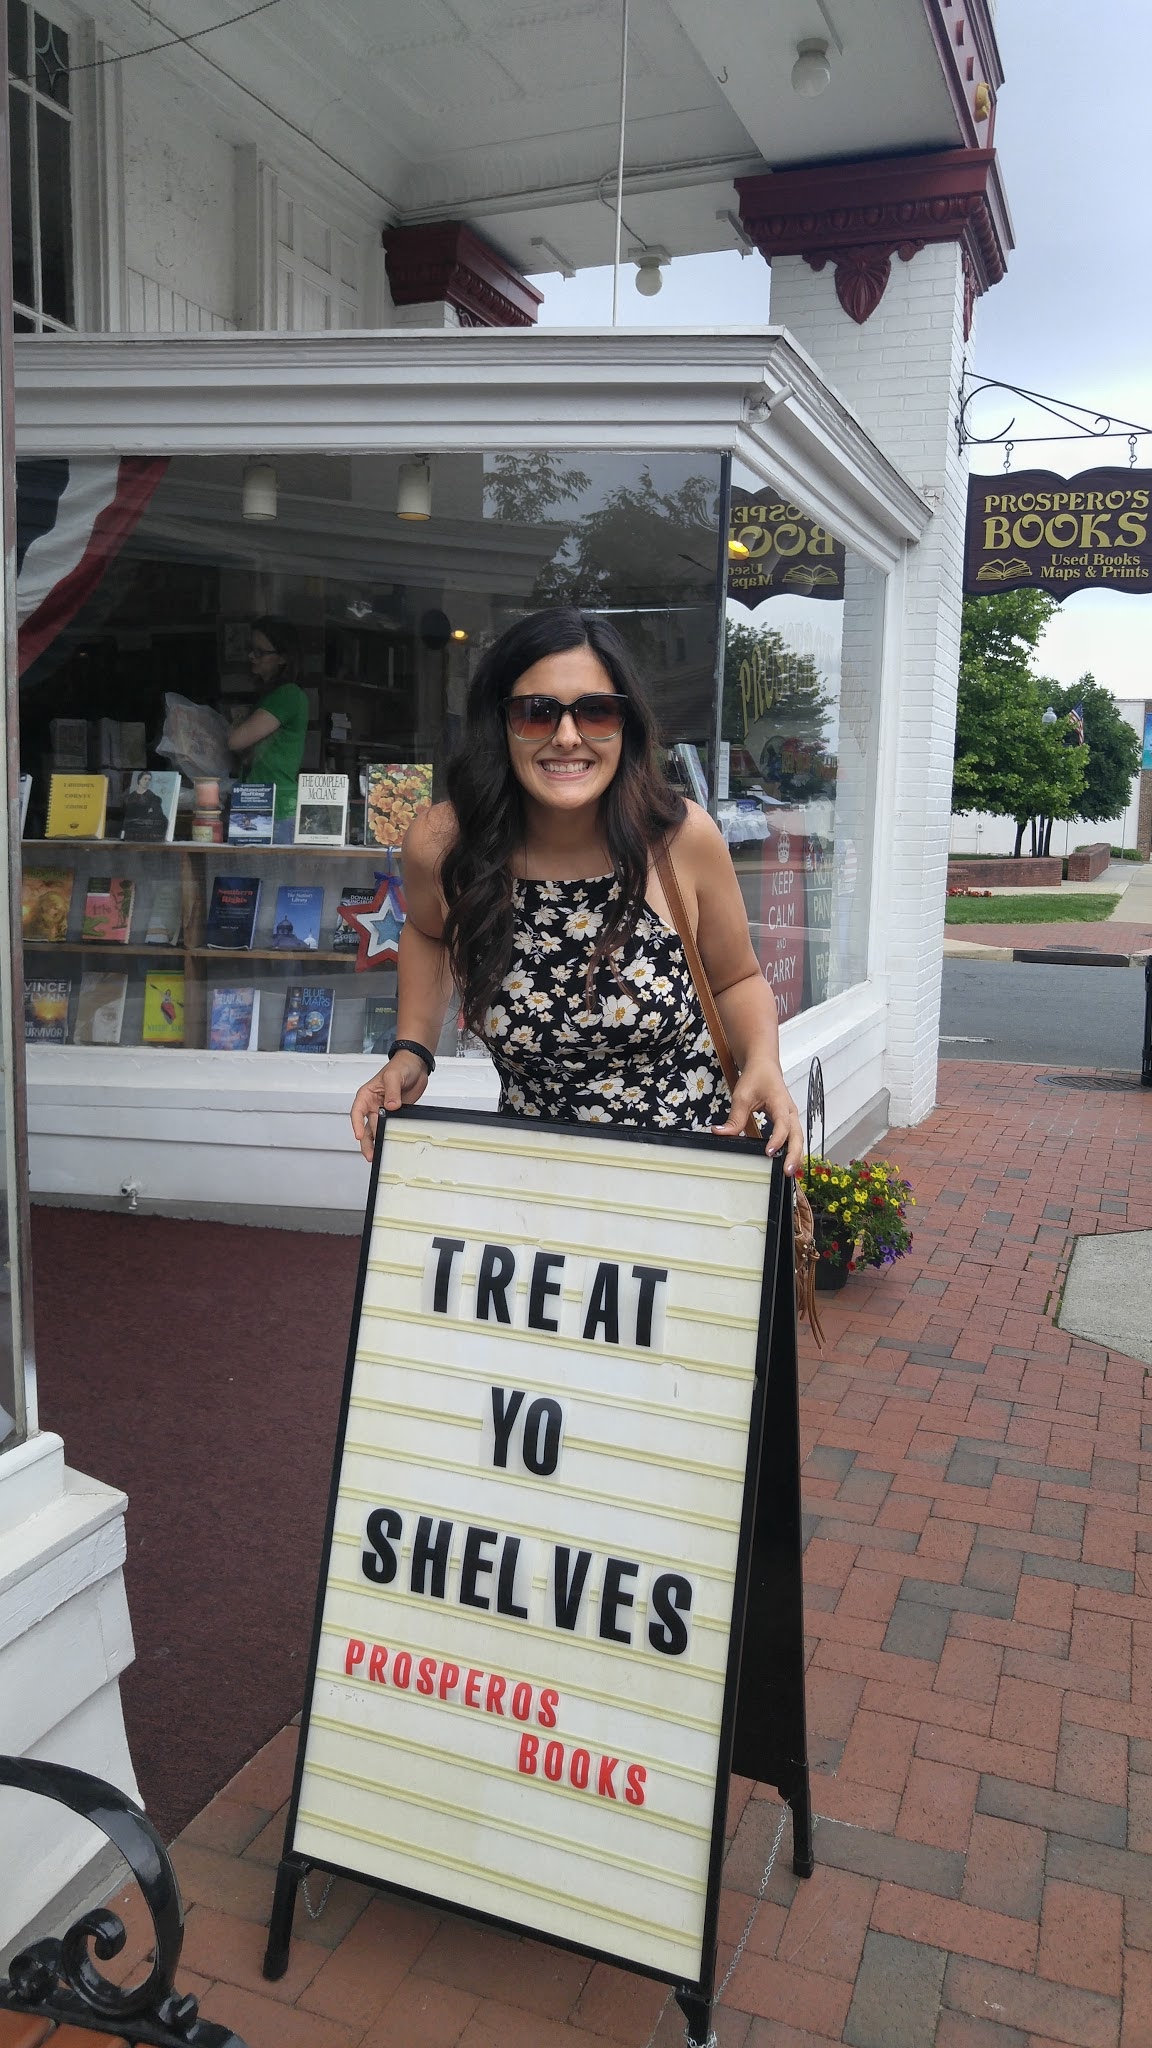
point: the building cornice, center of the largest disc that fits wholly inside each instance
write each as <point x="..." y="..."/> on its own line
<point x="445" y="261"/>
<point x="859" y="215"/>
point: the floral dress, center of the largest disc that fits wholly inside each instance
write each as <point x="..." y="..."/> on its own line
<point x="634" y="1051"/>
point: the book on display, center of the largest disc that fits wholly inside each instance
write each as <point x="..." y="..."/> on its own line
<point x="45" y="900"/>
<point x="346" y="937"/>
<point x="307" y="1023"/>
<point x="234" y="1020"/>
<point x="108" y="909"/>
<point x="163" y="1010"/>
<point x="165" y="915"/>
<point x="100" y="1009"/>
<point x="397" y="792"/>
<point x="25" y="793"/>
<point x="46" y="1012"/>
<point x="77" y="807"/>
<point x="251" y="813"/>
<point x="379" y="1025"/>
<point x="296" y="925"/>
<point x="150" y="806"/>
<point x="232" y="913"/>
<point x="321" y="810"/>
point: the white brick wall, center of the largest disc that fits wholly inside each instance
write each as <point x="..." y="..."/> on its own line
<point x="900" y="372"/>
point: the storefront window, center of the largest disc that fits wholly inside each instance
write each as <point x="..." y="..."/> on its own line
<point x="392" y="574"/>
<point x="799" y="725"/>
<point x="13" y="1176"/>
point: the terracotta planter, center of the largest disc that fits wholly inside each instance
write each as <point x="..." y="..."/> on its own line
<point x="831" y="1274"/>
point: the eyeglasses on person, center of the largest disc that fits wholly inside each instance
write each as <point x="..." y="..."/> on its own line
<point x="599" y="716"/>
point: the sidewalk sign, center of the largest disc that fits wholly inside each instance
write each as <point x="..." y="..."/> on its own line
<point x="522" y="1694"/>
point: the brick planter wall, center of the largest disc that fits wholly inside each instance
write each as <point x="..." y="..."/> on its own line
<point x="1088" y="861"/>
<point x="1005" y="874"/>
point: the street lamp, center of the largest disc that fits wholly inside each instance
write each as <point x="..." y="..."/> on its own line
<point x="1050" y="717"/>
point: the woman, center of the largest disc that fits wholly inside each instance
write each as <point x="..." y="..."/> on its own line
<point x="276" y="730"/>
<point x="533" y="891"/>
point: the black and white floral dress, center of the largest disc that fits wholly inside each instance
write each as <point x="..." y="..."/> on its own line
<point x="637" y="1051"/>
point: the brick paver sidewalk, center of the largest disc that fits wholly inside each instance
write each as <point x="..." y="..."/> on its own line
<point x="1103" y="937"/>
<point x="980" y="1594"/>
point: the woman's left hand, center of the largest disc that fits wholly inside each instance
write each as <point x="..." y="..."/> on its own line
<point x="761" y="1087"/>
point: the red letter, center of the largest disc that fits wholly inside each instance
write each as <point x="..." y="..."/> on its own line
<point x="579" y="1768"/>
<point x="354" y="1654"/>
<point x="449" y="1673"/>
<point x="472" y="1689"/>
<point x="554" y="1762"/>
<point x="549" y="1701"/>
<point x="604" y="1785"/>
<point x="402" y="1670"/>
<point x="426" y="1668"/>
<point x="376" y="1663"/>
<point x="529" y="1744"/>
<point x="637" y="1779"/>
<point x="522" y="1701"/>
<point x="497" y="1687"/>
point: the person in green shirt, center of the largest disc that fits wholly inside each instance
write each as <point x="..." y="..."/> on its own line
<point x="275" y="731"/>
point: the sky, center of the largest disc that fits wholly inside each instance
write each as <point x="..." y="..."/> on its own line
<point x="1073" y="317"/>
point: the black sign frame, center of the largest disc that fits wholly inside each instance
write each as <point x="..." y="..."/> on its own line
<point x="1035" y="530"/>
<point x="746" y="1695"/>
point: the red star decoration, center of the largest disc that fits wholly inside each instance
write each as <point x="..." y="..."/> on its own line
<point x="379" y="924"/>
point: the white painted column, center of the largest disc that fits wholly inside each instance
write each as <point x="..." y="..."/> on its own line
<point x="900" y="372"/>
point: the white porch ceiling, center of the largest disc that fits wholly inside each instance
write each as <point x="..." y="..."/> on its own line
<point x="503" y="112"/>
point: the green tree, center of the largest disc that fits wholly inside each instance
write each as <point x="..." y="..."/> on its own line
<point x="640" y="546"/>
<point x="1008" y="761"/>
<point x="526" y="490"/>
<point x="1111" y="747"/>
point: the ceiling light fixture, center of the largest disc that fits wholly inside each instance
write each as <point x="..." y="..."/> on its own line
<point x="737" y="550"/>
<point x="258" y="498"/>
<point x="811" y="72"/>
<point x="414" y="489"/>
<point x="458" y="633"/>
<point x="649" y="271"/>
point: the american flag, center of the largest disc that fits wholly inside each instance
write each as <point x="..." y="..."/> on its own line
<point x="72" y="519"/>
<point x="1076" y="721"/>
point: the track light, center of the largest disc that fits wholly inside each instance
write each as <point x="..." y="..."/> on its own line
<point x="414" y="489"/>
<point x="258" y="499"/>
<point x="811" y="72"/>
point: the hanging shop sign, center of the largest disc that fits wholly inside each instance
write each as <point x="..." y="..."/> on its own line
<point x="522" y="1688"/>
<point x="774" y="547"/>
<point x="1040" y="531"/>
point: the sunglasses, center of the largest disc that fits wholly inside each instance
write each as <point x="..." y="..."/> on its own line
<point x="598" y="717"/>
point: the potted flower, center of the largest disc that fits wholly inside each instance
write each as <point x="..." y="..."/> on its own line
<point x="860" y="1214"/>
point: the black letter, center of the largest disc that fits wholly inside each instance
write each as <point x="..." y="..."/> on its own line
<point x="447" y="1247"/>
<point x="612" y="1599"/>
<point x="542" y="1436"/>
<point x="381" y="1563"/>
<point x="604" y="1303"/>
<point x="504" y="1413"/>
<point x="568" y="1589"/>
<point x="650" y="1278"/>
<point x="497" y="1268"/>
<point x="506" y="1584"/>
<point x="541" y="1287"/>
<point x="434" y="1553"/>
<point x="472" y="1566"/>
<point x="671" y="1597"/>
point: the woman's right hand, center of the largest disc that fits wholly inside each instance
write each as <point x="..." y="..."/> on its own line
<point x="403" y="1080"/>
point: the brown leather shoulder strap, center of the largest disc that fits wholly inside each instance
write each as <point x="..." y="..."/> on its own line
<point x="699" y="973"/>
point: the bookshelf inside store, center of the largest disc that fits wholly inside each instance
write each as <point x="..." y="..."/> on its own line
<point x="169" y="969"/>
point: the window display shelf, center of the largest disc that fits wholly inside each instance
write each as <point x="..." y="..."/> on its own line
<point x="103" y="949"/>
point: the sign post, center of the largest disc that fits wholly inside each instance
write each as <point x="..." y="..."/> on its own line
<point x="523" y="1689"/>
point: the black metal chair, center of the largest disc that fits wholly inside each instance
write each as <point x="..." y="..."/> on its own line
<point x="57" y="1979"/>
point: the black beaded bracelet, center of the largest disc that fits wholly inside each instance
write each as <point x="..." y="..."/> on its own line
<point x="410" y="1045"/>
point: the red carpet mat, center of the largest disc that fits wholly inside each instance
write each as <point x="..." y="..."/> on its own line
<point x="198" y="1366"/>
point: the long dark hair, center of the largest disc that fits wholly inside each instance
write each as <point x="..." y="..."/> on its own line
<point x="285" y="639"/>
<point x="639" y="806"/>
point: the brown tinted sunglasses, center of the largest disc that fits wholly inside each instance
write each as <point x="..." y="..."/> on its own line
<point x="598" y="717"/>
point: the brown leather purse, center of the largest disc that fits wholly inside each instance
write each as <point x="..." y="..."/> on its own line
<point x="803" y="1225"/>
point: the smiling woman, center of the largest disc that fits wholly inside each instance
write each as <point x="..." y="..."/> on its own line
<point x="535" y="889"/>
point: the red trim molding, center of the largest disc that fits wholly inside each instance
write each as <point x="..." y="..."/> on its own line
<point x="448" y="261"/>
<point x="857" y="216"/>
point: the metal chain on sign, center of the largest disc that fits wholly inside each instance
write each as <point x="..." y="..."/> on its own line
<point x="713" y="2040"/>
<point x="312" y="1911"/>
<point x="1131" y="451"/>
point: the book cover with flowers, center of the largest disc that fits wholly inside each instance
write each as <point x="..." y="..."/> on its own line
<point x="397" y="792"/>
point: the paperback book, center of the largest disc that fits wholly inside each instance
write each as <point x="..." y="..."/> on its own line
<point x="307" y="1020"/>
<point x="100" y="1009"/>
<point x="150" y="805"/>
<point x="25" y="793"/>
<point x="234" y="1020"/>
<point x="397" y="792"/>
<point x="163" y="1010"/>
<point x="165" y="915"/>
<point x="346" y="937"/>
<point x="321" y="810"/>
<point x="77" y="807"/>
<point x="108" y="909"/>
<point x="232" y="913"/>
<point x="251" y="812"/>
<point x="296" y="926"/>
<point x="46" y="1012"/>
<point x="45" y="900"/>
<point x="379" y="1026"/>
